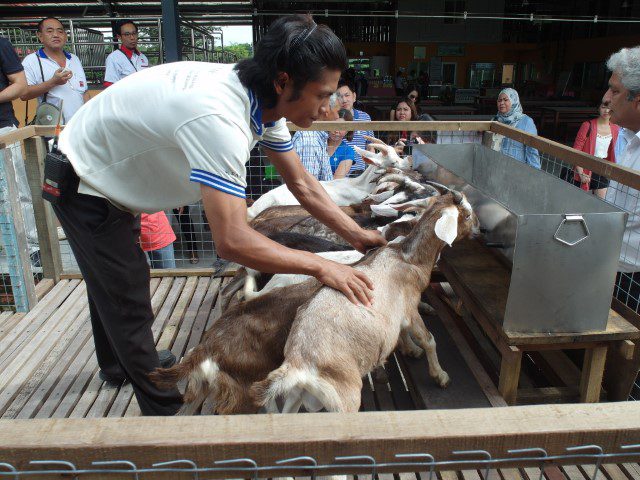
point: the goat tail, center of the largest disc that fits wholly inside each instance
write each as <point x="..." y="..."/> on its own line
<point x="197" y="366"/>
<point x="166" y="378"/>
<point x="298" y="386"/>
<point x="270" y="388"/>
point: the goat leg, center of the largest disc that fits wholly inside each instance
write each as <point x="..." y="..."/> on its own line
<point x="418" y="332"/>
<point x="407" y="346"/>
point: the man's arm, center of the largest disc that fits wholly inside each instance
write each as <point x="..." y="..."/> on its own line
<point x="315" y="199"/>
<point x="17" y="87"/>
<point x="236" y="241"/>
<point x="39" y="89"/>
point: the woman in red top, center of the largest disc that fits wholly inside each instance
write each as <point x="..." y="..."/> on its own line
<point x="596" y="137"/>
<point x="156" y="239"/>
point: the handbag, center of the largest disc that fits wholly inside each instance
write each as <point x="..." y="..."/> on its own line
<point x="47" y="113"/>
<point x="568" y="173"/>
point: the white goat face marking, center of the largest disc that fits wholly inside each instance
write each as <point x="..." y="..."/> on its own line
<point x="420" y="205"/>
<point x="381" y="197"/>
<point x="384" y="211"/>
<point x="447" y="225"/>
<point x="397" y="198"/>
<point x="466" y="205"/>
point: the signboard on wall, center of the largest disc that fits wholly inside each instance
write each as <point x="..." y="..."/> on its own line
<point x="450" y="50"/>
<point x="419" y="53"/>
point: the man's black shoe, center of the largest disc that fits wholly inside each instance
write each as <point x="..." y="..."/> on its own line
<point x="167" y="359"/>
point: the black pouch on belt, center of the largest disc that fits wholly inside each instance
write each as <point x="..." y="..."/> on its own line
<point x="57" y="173"/>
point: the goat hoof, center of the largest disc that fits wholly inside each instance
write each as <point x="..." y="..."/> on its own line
<point x="442" y="379"/>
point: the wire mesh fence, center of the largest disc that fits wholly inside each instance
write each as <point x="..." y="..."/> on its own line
<point x="19" y="256"/>
<point x="424" y="466"/>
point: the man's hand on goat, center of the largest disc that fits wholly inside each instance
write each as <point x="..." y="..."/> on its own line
<point x="355" y="285"/>
<point x="364" y="240"/>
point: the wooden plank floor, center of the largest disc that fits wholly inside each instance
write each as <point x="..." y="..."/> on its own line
<point x="48" y="368"/>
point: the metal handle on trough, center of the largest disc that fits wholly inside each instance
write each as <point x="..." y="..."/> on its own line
<point x="572" y="218"/>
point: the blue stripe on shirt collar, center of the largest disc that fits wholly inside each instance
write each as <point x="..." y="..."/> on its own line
<point x="256" y="114"/>
<point x="41" y="54"/>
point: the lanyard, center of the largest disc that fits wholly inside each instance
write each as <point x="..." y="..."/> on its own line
<point x="134" y="67"/>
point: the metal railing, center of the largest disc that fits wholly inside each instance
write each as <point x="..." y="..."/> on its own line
<point x="308" y="445"/>
<point x="87" y="40"/>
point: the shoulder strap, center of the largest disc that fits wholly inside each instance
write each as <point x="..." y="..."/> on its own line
<point x="127" y="57"/>
<point x="44" y="98"/>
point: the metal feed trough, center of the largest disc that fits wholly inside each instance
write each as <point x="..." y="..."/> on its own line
<point x="560" y="243"/>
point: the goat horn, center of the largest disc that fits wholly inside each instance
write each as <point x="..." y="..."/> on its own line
<point x="439" y="186"/>
<point x="434" y="191"/>
<point x="457" y="196"/>
<point x="393" y="177"/>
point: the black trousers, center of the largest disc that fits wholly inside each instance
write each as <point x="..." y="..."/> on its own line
<point x="115" y="270"/>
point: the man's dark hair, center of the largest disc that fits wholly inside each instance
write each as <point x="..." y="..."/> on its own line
<point x="294" y="45"/>
<point x="122" y="23"/>
<point x="45" y="19"/>
<point x="345" y="82"/>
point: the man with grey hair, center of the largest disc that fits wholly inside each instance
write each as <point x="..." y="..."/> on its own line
<point x="623" y="98"/>
<point x="311" y="145"/>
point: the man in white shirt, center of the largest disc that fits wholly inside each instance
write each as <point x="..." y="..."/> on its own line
<point x="53" y="74"/>
<point x="189" y="138"/>
<point x="126" y="59"/>
<point x="623" y="98"/>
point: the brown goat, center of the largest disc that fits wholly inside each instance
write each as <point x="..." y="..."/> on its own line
<point x="333" y="343"/>
<point x="241" y="347"/>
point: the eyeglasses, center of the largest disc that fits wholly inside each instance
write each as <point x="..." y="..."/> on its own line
<point x="129" y="34"/>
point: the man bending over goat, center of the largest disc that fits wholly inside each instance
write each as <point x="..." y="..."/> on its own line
<point x="189" y="139"/>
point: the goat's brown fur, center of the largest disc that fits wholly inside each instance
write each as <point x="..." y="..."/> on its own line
<point x="247" y="342"/>
<point x="333" y="343"/>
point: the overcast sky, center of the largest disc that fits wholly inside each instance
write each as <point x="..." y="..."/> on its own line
<point x="237" y="34"/>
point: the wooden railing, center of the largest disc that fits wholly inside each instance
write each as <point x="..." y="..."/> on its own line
<point x="32" y="139"/>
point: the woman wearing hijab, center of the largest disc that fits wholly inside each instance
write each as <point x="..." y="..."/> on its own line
<point x="510" y="113"/>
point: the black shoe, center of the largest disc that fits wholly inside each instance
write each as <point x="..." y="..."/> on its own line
<point x="167" y="359"/>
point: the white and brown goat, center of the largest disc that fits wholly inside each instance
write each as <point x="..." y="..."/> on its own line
<point x="333" y="343"/>
<point x="343" y="191"/>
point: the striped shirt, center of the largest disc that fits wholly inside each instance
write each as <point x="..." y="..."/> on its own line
<point x="359" y="140"/>
<point x="311" y="147"/>
<point x="194" y="124"/>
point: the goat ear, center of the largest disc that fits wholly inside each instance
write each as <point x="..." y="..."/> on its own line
<point x="398" y="197"/>
<point x="447" y="225"/>
<point x="380" y="197"/>
<point x="420" y="205"/>
<point x="384" y="211"/>
<point x="369" y="157"/>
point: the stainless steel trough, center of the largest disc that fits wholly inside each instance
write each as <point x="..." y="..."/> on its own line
<point x="561" y="244"/>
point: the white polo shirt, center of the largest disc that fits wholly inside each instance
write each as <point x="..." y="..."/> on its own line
<point x="147" y="142"/>
<point x="71" y="92"/>
<point x="628" y="199"/>
<point x="122" y="62"/>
